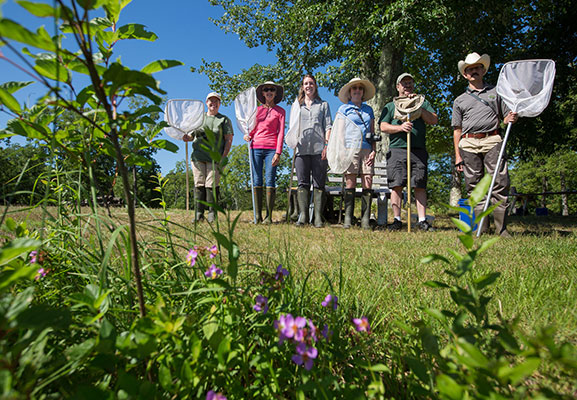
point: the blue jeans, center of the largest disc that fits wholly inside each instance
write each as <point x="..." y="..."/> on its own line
<point x="260" y="158"/>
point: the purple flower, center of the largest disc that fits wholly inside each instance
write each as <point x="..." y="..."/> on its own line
<point x="280" y="273"/>
<point x="213" y="251"/>
<point x="305" y="355"/>
<point x="213" y="272"/>
<point x="41" y="273"/>
<point x="33" y="255"/>
<point x="280" y="325"/>
<point x="326" y="332"/>
<point x="312" y="330"/>
<point x="293" y="328"/>
<point x="212" y="395"/>
<point x="191" y="257"/>
<point x="261" y="304"/>
<point x="330" y="299"/>
<point x="362" y="324"/>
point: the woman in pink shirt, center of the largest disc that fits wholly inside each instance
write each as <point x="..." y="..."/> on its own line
<point x="266" y="145"/>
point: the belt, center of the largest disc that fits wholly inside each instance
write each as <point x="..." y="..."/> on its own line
<point x="480" y="135"/>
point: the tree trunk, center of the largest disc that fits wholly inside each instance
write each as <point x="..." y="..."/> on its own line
<point x="544" y="186"/>
<point x="383" y="72"/>
<point x="564" y="199"/>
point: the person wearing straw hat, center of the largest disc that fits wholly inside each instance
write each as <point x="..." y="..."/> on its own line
<point x="353" y="95"/>
<point x="477" y="114"/>
<point x="206" y="174"/>
<point x="310" y="153"/>
<point x="266" y="145"/>
<point x="398" y="129"/>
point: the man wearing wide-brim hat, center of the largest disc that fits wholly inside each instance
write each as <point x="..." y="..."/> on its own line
<point x="477" y="115"/>
<point x="408" y="114"/>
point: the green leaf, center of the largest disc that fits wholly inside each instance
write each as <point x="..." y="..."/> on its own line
<point x="462" y="225"/>
<point x="476" y="357"/>
<point x="223" y="351"/>
<point x="449" y="388"/>
<point x="165" y="145"/>
<point x="436" y="284"/>
<point x="135" y="31"/>
<point x="486" y="280"/>
<point x="519" y="372"/>
<point x="434" y="257"/>
<point x="165" y="377"/>
<point x="480" y="190"/>
<point x="160" y="65"/>
<point x="437" y="314"/>
<point x="16" y="248"/>
<point x="377" y="368"/>
<point x="10" y="101"/>
<point x="52" y="69"/>
<point x="14" y="31"/>
<point x="467" y="240"/>
<point x="39" y="9"/>
<point x="486" y="244"/>
<point x="13" y="86"/>
<point x="418" y="368"/>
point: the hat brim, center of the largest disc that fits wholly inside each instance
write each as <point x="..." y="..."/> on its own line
<point x="278" y="96"/>
<point x="485" y="60"/>
<point x="368" y="93"/>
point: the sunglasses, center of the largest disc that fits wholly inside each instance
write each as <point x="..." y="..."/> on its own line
<point x="269" y="89"/>
<point x="357" y="88"/>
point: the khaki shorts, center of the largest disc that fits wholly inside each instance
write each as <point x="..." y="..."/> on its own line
<point x="204" y="175"/>
<point x="359" y="165"/>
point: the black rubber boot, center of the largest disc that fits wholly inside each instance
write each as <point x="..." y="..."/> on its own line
<point x="349" y="207"/>
<point x="318" y="202"/>
<point x="199" y="195"/>
<point x="270" y="197"/>
<point x="303" y="196"/>
<point x="258" y="192"/>
<point x="210" y="199"/>
<point x="293" y="206"/>
<point x="500" y="218"/>
<point x="366" y="208"/>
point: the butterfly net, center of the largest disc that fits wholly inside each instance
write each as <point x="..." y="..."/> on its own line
<point x="245" y="105"/>
<point x="526" y="86"/>
<point x="183" y="116"/>
<point x="293" y="135"/>
<point x="408" y="108"/>
<point x="344" y="143"/>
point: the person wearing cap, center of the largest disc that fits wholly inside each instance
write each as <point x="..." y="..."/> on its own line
<point x="266" y="145"/>
<point x="311" y="152"/>
<point x="477" y="114"/>
<point x="397" y="154"/>
<point x="206" y="174"/>
<point x="353" y="95"/>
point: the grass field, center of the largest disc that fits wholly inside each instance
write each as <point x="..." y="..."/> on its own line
<point x="380" y="274"/>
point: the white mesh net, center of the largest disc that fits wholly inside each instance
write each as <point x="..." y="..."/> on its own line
<point x="293" y="135"/>
<point x="344" y="143"/>
<point x="526" y="86"/>
<point x="245" y="105"/>
<point x="183" y="116"/>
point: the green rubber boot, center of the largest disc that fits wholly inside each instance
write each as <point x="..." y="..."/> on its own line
<point x="270" y="197"/>
<point x="318" y="202"/>
<point x="303" y="196"/>
<point x="199" y="195"/>
<point x="349" y="207"/>
<point x="366" y="208"/>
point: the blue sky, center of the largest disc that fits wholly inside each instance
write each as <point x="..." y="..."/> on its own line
<point x="184" y="33"/>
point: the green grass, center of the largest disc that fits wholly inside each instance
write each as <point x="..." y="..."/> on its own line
<point x="380" y="274"/>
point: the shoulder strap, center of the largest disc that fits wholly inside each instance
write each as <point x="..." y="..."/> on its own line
<point x="476" y="97"/>
<point x="361" y="117"/>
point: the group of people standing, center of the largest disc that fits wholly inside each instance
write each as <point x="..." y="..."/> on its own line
<point x="477" y="114"/>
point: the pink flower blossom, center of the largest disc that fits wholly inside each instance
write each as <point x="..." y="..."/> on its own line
<point x="213" y="272"/>
<point x="261" y="304"/>
<point x="305" y="356"/>
<point x="41" y="273"/>
<point x="330" y="300"/>
<point x="191" y="257"/>
<point x="362" y="324"/>
<point x="33" y="257"/>
<point x="213" y="251"/>
<point x="280" y="273"/>
<point x="212" y="395"/>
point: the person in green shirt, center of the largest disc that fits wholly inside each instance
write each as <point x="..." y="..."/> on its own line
<point x="397" y="155"/>
<point x="206" y="173"/>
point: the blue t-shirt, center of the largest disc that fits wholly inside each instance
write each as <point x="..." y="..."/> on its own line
<point x="361" y="117"/>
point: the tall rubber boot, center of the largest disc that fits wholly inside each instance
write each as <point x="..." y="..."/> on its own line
<point x="485" y="226"/>
<point x="500" y="216"/>
<point x="349" y="207"/>
<point x="294" y="209"/>
<point x="258" y="192"/>
<point x="366" y="198"/>
<point x="270" y="197"/>
<point x="210" y="199"/>
<point x="303" y="196"/>
<point x="318" y="202"/>
<point x="199" y="195"/>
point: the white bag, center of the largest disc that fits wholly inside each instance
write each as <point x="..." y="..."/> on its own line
<point x="183" y="116"/>
<point x="292" y="138"/>
<point x="245" y="105"/>
<point x="344" y="144"/>
<point x="526" y="85"/>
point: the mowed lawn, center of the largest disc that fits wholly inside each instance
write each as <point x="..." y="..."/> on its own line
<point x="379" y="273"/>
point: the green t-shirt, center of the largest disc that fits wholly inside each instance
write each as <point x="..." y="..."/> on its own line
<point x="221" y="126"/>
<point x="399" y="140"/>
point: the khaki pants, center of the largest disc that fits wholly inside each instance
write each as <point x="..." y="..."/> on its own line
<point x="479" y="164"/>
<point x="204" y="174"/>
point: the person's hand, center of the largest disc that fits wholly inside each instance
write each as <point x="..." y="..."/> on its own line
<point x="324" y="153"/>
<point x="459" y="163"/>
<point x="511" y="117"/>
<point x="371" y="159"/>
<point x="246" y="137"/>
<point x="406" y="127"/>
<point x="275" y="160"/>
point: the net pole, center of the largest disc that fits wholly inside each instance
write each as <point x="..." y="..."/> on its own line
<point x="187" y="187"/>
<point x="251" y="181"/>
<point x="495" y="173"/>
<point x="408" y="177"/>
